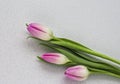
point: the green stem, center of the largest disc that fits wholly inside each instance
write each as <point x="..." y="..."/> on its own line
<point x="81" y="48"/>
<point x="82" y="61"/>
<point x="97" y="71"/>
<point x="84" y="55"/>
<point x="69" y="64"/>
<point x="92" y="59"/>
<point x="73" y="42"/>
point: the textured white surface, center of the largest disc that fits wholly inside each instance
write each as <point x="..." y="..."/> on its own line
<point x="95" y="23"/>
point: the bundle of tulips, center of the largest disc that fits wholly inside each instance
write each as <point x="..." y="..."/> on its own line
<point x="80" y="60"/>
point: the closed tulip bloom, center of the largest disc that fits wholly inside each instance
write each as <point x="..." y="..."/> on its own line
<point x="78" y="73"/>
<point x="39" y="31"/>
<point x="55" y="58"/>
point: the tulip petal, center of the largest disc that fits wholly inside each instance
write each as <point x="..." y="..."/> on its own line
<point x="55" y="58"/>
<point x="41" y="27"/>
<point x="39" y="31"/>
<point x="78" y="73"/>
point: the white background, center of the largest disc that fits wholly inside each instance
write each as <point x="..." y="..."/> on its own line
<point x="95" y="23"/>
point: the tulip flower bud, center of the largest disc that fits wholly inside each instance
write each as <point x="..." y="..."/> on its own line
<point x="78" y="73"/>
<point x="39" y="31"/>
<point x="55" y="58"/>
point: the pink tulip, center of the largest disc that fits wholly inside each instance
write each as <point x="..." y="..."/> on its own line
<point x="55" y="58"/>
<point x="78" y="73"/>
<point x="39" y="31"/>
